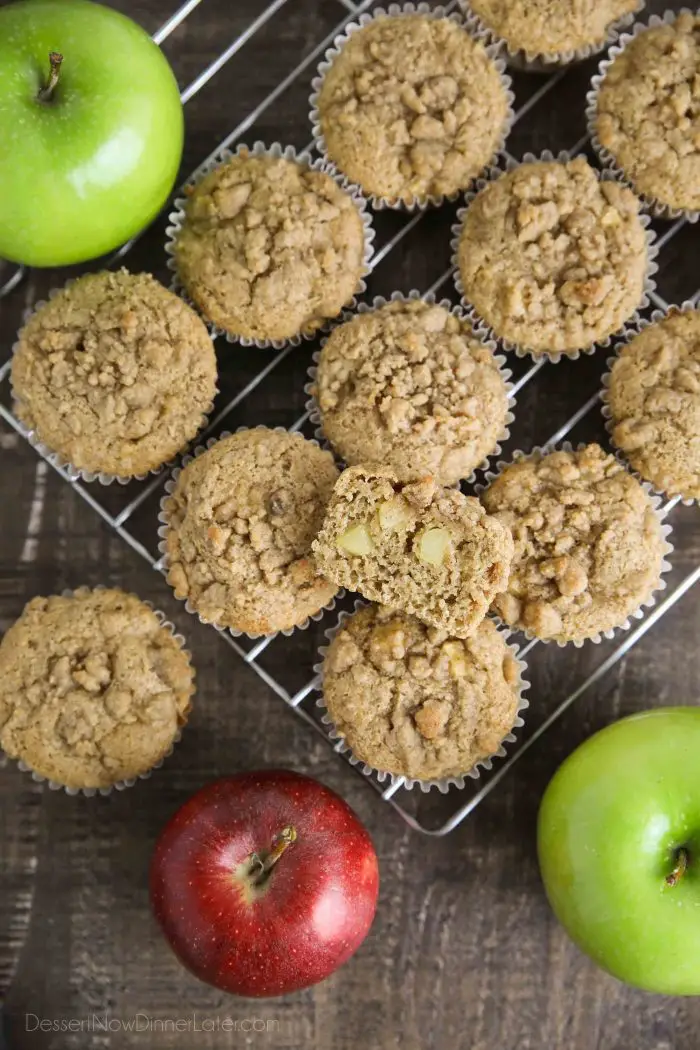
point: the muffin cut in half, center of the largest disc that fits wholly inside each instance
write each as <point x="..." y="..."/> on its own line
<point x="428" y="551"/>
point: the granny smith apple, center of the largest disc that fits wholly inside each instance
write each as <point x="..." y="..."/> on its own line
<point x="619" y="849"/>
<point x="91" y="130"/>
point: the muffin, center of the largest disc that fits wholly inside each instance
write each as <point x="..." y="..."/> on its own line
<point x="239" y="526"/>
<point x="411" y="387"/>
<point x="94" y="688"/>
<point x="270" y="248"/>
<point x="654" y="402"/>
<point x="115" y="374"/>
<point x="414" y="702"/>
<point x="551" y="28"/>
<point x="552" y="258"/>
<point x="589" y="546"/>
<point x="648" y="112"/>
<point x="427" y="551"/>
<point x="412" y="108"/>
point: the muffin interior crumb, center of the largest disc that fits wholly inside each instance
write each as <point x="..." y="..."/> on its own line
<point x="429" y="551"/>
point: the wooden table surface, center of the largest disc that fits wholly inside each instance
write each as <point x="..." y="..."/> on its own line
<point x="465" y="952"/>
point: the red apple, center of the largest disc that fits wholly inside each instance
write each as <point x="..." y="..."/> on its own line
<point x="264" y="883"/>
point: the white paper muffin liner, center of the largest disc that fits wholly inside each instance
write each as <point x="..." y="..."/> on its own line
<point x="164" y="519"/>
<point x="119" y="785"/>
<point x="509" y="164"/>
<point x="638" y="614"/>
<point x="313" y="407"/>
<point x="537" y="62"/>
<point x="656" y="208"/>
<point x="443" y="785"/>
<point x="60" y="462"/>
<point x="631" y="333"/>
<point x="394" y="10"/>
<point x="176" y="219"/>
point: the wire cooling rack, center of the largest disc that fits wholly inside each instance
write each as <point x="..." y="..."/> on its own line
<point x="532" y="94"/>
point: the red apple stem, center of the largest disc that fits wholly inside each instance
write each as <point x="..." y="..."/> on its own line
<point x="680" y="867"/>
<point x="55" y="60"/>
<point x="280" y="843"/>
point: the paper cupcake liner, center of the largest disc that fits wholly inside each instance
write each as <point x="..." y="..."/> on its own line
<point x="631" y="333"/>
<point x="164" y="519"/>
<point x="508" y="164"/>
<point x="176" y="220"/>
<point x="394" y="10"/>
<point x="119" y="785"/>
<point x="538" y="62"/>
<point x="638" y="614"/>
<point x="313" y="407"/>
<point x="59" y="462"/>
<point x="443" y="785"/>
<point x="656" y="208"/>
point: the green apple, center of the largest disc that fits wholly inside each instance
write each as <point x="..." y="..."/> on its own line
<point x="619" y="849"/>
<point x="90" y="139"/>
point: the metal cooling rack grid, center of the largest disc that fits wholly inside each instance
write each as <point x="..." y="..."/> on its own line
<point x="301" y="699"/>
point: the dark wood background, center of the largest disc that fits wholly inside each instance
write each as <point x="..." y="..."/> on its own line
<point x="465" y="952"/>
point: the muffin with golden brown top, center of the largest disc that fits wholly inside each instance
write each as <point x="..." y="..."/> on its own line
<point x="410" y="386"/>
<point x="240" y="522"/>
<point x="648" y="113"/>
<point x="114" y="373"/>
<point x="94" y="688"/>
<point x="412" y="701"/>
<point x="412" y="108"/>
<point x="589" y="545"/>
<point x="553" y="258"/>
<point x="654" y="401"/>
<point x="270" y="248"/>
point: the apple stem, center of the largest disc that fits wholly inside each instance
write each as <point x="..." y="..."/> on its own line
<point x="680" y="867"/>
<point x="266" y="863"/>
<point x="55" y="60"/>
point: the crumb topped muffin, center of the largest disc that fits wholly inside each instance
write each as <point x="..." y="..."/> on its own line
<point x="414" y="702"/>
<point x="428" y="551"/>
<point x="93" y="688"/>
<point x="553" y="258"/>
<point x="410" y="386"/>
<point x="240" y="522"/>
<point x="552" y="27"/>
<point x="654" y="401"/>
<point x="114" y="373"/>
<point x="648" y="112"/>
<point x="413" y="107"/>
<point x="270" y="248"/>
<point x="588" y="544"/>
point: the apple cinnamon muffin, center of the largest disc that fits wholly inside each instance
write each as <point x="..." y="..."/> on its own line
<point x="411" y="387"/>
<point x="648" y="112"/>
<point x="589" y="545"/>
<point x="270" y="248"/>
<point x="552" y="27"/>
<point x="412" y="107"/>
<point x="94" y="688"/>
<point x="553" y="258"/>
<point x="115" y="374"/>
<point x="413" y="546"/>
<point x="239" y="526"/>
<point x="654" y="401"/>
<point x="412" y="701"/>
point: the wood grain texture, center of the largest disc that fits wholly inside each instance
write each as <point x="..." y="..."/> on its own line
<point x="465" y="952"/>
